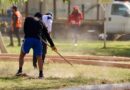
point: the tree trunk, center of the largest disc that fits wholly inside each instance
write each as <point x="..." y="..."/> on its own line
<point x="2" y="46"/>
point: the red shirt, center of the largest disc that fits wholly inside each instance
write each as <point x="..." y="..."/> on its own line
<point x="75" y="18"/>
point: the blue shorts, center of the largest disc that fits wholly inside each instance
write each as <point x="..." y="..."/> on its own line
<point x="33" y="43"/>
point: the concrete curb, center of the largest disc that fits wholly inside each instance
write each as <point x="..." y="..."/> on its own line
<point x="125" y="86"/>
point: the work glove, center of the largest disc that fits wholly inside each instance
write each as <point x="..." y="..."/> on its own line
<point x="54" y="48"/>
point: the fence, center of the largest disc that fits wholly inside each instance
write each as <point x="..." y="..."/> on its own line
<point x="61" y="10"/>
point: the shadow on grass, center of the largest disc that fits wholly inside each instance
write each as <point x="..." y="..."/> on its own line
<point x="118" y="51"/>
<point x="109" y="51"/>
<point x="9" y="78"/>
<point x="50" y="82"/>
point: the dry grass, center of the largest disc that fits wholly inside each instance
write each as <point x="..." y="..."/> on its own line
<point x="59" y="76"/>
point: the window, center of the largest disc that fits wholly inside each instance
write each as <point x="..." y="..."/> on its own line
<point x="118" y="9"/>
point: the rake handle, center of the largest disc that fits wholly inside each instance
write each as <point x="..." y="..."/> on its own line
<point x="57" y="53"/>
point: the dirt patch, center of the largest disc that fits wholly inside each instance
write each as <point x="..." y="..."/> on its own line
<point x="110" y="61"/>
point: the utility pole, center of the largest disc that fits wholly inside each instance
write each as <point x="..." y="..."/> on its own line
<point x="54" y="8"/>
<point x="98" y="9"/>
<point x="104" y="4"/>
<point x="44" y="6"/>
<point x="69" y="7"/>
<point x="83" y="10"/>
<point x="26" y="8"/>
<point x="40" y="5"/>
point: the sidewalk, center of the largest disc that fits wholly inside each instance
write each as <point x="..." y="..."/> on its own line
<point x="101" y="87"/>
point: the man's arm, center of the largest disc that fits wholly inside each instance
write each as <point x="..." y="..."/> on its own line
<point x="15" y="19"/>
<point x="46" y="34"/>
<point x="49" y="25"/>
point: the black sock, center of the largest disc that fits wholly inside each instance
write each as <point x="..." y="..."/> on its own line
<point x="20" y="69"/>
<point x="40" y="73"/>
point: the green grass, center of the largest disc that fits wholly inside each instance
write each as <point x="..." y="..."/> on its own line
<point x="60" y="76"/>
<point x="63" y="75"/>
<point x="114" y="48"/>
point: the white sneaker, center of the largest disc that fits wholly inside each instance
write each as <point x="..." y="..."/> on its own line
<point x="75" y="44"/>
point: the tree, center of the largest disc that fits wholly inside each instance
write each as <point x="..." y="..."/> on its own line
<point x="14" y="1"/>
<point x="4" y="4"/>
<point x="66" y="1"/>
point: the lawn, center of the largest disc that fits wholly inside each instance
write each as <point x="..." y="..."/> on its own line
<point x="114" y="48"/>
<point x="60" y="76"/>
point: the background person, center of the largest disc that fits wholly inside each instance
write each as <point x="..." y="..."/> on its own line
<point x="47" y="19"/>
<point x="33" y="30"/>
<point x="75" y="19"/>
<point x="16" y="24"/>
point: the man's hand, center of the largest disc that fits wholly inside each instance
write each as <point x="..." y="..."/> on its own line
<point x="54" y="48"/>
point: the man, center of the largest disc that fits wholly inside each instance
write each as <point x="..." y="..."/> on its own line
<point x="47" y="19"/>
<point x="16" y="24"/>
<point x="33" y="30"/>
<point x="75" y="19"/>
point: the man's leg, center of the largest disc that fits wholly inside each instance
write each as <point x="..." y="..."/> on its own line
<point x="21" y="62"/>
<point x="43" y="58"/>
<point x="44" y="50"/>
<point x="27" y="44"/>
<point x="11" y="38"/>
<point x="34" y="61"/>
<point x="76" y="32"/>
<point x="37" y="48"/>
<point x="18" y="36"/>
<point x="40" y="64"/>
<point x="74" y="36"/>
